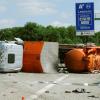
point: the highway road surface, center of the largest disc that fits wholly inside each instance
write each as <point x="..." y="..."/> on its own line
<point x="31" y="86"/>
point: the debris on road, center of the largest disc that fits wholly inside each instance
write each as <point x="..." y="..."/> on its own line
<point x="15" y="82"/>
<point x="4" y="94"/>
<point x="77" y="91"/>
<point x="80" y="91"/>
<point x="93" y="96"/>
<point x="61" y="68"/>
<point x="67" y="91"/>
<point x="12" y="92"/>
<point x="46" y="91"/>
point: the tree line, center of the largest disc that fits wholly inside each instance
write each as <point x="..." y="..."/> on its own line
<point x="35" y="32"/>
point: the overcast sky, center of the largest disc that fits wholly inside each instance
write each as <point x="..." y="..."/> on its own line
<point x="45" y="12"/>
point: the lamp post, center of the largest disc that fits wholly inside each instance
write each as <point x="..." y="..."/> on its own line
<point x="97" y="18"/>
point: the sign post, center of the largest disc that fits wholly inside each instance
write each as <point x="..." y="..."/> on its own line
<point x="84" y="19"/>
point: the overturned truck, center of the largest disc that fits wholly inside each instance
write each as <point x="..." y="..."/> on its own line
<point x="11" y="56"/>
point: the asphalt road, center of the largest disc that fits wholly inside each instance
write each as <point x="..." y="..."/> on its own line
<point x="30" y="86"/>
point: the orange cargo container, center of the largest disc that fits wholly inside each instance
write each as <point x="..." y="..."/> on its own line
<point x="74" y="60"/>
<point x="31" y="57"/>
<point x="86" y="59"/>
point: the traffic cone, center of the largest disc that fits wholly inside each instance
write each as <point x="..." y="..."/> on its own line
<point x="23" y="98"/>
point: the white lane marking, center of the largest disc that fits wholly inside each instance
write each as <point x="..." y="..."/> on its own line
<point x="41" y="91"/>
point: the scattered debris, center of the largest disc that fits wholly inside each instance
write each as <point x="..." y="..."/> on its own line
<point x="86" y="84"/>
<point x="40" y="81"/>
<point x="88" y="92"/>
<point x="77" y="91"/>
<point x="93" y="96"/>
<point x="80" y="91"/>
<point x="95" y="71"/>
<point x="4" y="94"/>
<point x="12" y="92"/>
<point x="96" y="84"/>
<point x="15" y="82"/>
<point x="67" y="91"/>
<point x="61" y="68"/>
<point x="46" y="91"/>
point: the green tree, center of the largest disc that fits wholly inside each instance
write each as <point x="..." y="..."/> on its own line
<point x="35" y="32"/>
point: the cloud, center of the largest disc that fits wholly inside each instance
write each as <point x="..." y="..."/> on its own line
<point x="63" y="19"/>
<point x="4" y="23"/>
<point x="97" y="11"/>
<point x="59" y="23"/>
<point x="36" y="7"/>
<point x="64" y="15"/>
<point x="2" y="8"/>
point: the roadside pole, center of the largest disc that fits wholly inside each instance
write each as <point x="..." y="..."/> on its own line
<point x="97" y="18"/>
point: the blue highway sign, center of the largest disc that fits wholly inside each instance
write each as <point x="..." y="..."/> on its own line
<point x="85" y="18"/>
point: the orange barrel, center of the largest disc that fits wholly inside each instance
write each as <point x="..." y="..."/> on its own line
<point x="31" y="57"/>
<point x="74" y="60"/>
